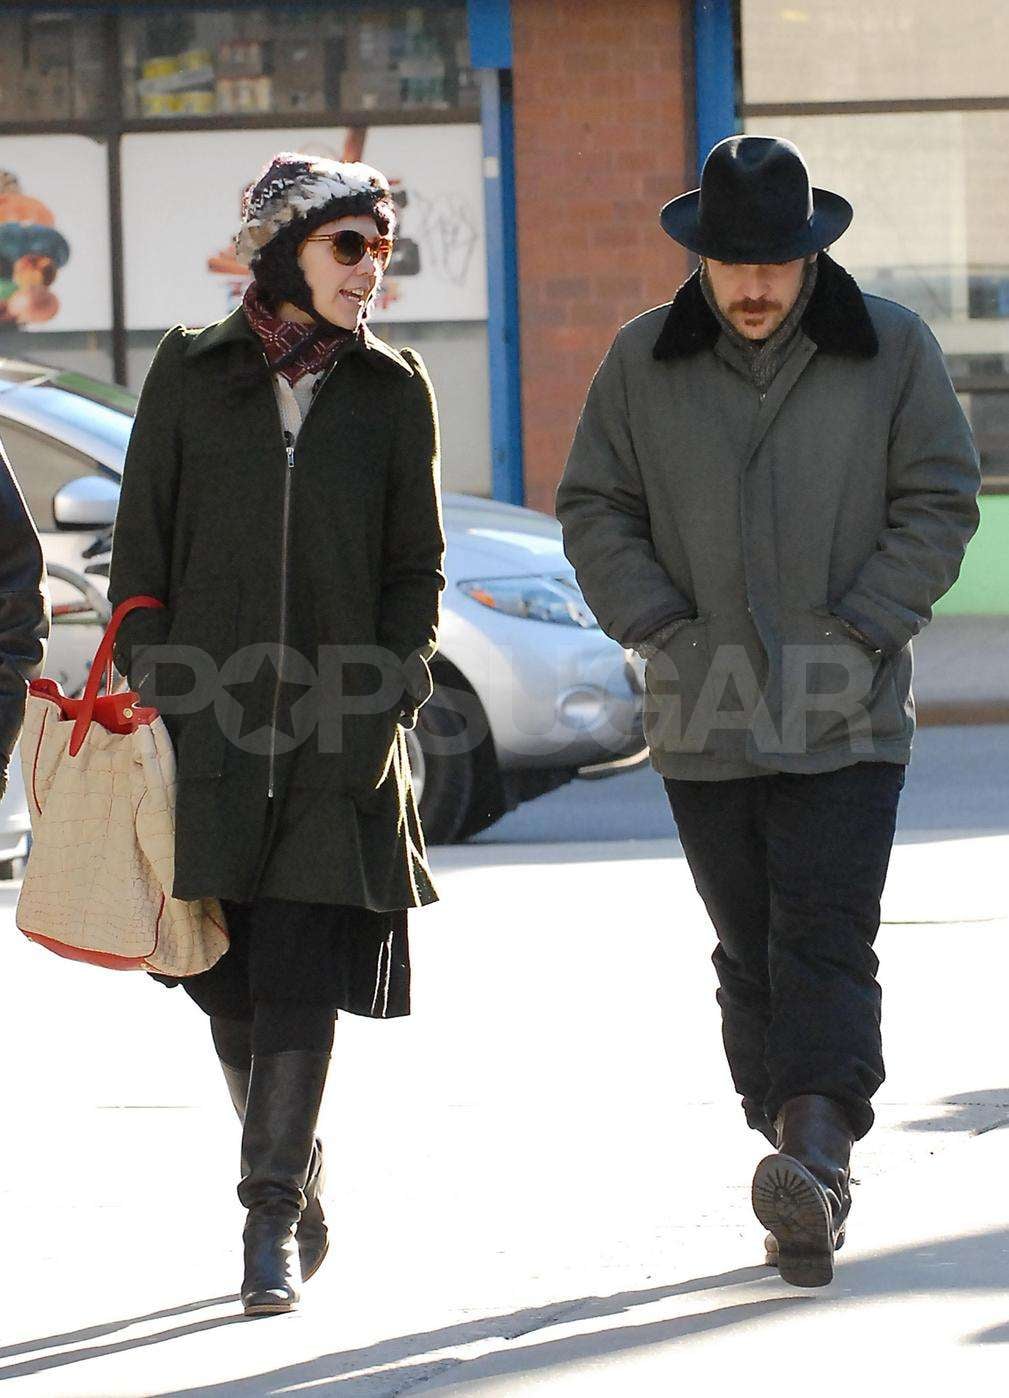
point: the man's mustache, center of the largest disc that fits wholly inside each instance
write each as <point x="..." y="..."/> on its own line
<point x="755" y="307"/>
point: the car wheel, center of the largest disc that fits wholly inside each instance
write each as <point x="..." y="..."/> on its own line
<point x="490" y="799"/>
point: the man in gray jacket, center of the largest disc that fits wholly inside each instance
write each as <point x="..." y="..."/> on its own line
<point x="771" y="484"/>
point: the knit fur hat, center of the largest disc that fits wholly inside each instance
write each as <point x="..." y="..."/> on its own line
<point x="295" y="187"/>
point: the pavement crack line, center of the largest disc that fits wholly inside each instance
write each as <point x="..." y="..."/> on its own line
<point x="414" y="1380"/>
<point x="562" y="1313"/>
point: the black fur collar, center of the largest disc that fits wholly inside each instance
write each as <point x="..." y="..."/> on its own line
<point x="836" y="319"/>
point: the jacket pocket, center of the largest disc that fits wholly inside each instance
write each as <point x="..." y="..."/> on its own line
<point x="352" y="745"/>
<point x="374" y="772"/>
<point x="203" y="628"/>
<point x="679" y="707"/>
<point x="360" y="769"/>
<point x="834" y="691"/>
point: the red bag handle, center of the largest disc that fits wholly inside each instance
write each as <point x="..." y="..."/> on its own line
<point x="103" y="661"/>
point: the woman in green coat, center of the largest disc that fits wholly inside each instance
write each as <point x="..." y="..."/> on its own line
<point x="280" y="496"/>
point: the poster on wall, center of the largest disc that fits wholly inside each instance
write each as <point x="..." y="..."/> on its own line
<point x="181" y="208"/>
<point x="54" y="234"/>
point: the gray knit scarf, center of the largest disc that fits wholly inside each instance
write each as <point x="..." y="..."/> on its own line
<point x="764" y="357"/>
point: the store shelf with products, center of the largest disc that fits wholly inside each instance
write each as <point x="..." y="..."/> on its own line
<point x="272" y="61"/>
<point x="52" y="66"/>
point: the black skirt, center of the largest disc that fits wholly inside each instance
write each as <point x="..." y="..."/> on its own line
<point x="352" y="959"/>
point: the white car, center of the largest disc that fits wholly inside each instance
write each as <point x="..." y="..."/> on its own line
<point x="528" y="691"/>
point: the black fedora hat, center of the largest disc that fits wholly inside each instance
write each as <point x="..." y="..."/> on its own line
<point x="755" y="204"/>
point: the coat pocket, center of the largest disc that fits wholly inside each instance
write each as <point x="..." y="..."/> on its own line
<point x="679" y="708"/>
<point x="834" y="691"/>
<point x="352" y="746"/>
<point x="363" y="766"/>
<point x="203" y="631"/>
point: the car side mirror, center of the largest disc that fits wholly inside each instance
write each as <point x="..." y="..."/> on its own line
<point x="88" y="502"/>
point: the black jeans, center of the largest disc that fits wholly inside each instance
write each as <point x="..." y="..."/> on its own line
<point x="791" y="869"/>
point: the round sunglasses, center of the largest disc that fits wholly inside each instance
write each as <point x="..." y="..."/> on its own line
<point x="348" y="246"/>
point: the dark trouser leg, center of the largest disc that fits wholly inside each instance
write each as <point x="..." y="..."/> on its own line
<point x="279" y="1026"/>
<point x="232" y="1040"/>
<point x="222" y="993"/>
<point x="829" y="838"/>
<point x="720" y="826"/>
<point x="233" y="1043"/>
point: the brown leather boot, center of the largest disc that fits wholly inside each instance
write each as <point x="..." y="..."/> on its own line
<point x="802" y="1194"/>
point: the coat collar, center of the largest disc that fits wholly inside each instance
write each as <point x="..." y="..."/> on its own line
<point x="235" y="327"/>
<point x="836" y="319"/>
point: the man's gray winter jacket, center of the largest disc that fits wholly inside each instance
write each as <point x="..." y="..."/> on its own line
<point x="763" y="523"/>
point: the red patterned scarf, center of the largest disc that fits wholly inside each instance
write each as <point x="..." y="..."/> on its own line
<point x="279" y="337"/>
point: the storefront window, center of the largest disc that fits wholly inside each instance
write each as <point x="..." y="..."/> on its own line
<point x="283" y="61"/>
<point x="868" y="51"/>
<point x="51" y="66"/>
<point x="928" y="178"/>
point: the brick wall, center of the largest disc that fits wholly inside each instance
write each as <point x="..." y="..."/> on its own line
<point x="603" y="137"/>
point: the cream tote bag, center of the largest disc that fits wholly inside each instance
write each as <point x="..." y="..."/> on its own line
<point x="99" y="774"/>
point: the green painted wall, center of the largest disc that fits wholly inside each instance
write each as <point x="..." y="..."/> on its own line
<point x="983" y="584"/>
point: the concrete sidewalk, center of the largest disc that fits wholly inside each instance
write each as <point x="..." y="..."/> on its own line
<point x="539" y="1181"/>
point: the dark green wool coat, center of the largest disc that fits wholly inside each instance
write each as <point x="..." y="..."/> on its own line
<point x="200" y="526"/>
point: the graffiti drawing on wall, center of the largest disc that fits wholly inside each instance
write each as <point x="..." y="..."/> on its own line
<point x="450" y="235"/>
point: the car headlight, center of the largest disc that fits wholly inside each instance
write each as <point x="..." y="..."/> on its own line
<point x="539" y="599"/>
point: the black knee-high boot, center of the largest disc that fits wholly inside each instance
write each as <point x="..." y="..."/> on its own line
<point x="233" y="1039"/>
<point x="285" y="1093"/>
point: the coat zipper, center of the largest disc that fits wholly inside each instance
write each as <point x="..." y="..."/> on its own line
<point x="286" y="518"/>
<point x="289" y="448"/>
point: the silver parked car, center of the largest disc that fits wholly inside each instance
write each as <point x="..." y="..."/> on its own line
<point x="528" y="691"/>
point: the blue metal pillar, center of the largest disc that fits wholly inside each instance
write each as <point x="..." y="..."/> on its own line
<point x="715" y="75"/>
<point x="491" y="53"/>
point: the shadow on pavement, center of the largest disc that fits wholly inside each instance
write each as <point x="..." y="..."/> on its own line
<point x="972" y="1114"/>
<point x="998" y="1335"/>
<point x="74" y="1356"/>
<point x="95" y="1332"/>
<point x="977" y="1262"/>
